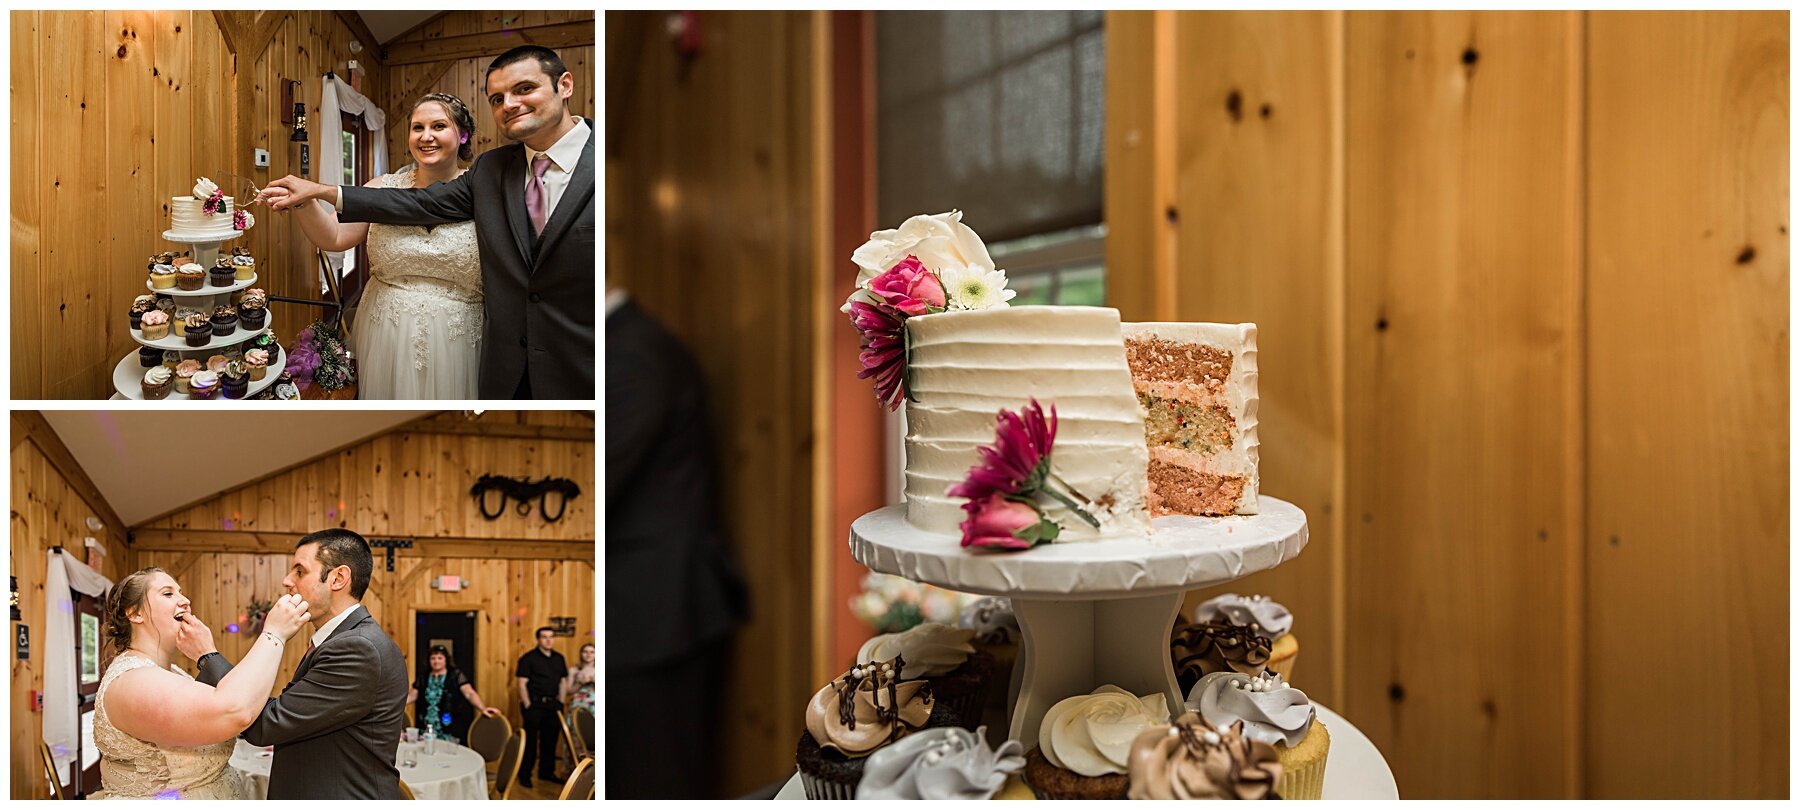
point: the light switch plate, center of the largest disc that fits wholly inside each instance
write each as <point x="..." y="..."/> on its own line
<point x="262" y="158"/>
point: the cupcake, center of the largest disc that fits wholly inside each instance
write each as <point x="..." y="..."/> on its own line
<point x="190" y="276"/>
<point x="157" y="382"/>
<point x="997" y="634"/>
<point x="246" y="266"/>
<point x="942" y="655"/>
<point x="940" y="763"/>
<point x="267" y="343"/>
<point x="167" y="305"/>
<point x="257" y="361"/>
<point x="199" y="329"/>
<point x="251" y="309"/>
<point x="1264" y="615"/>
<point x="148" y="356"/>
<point x="236" y="380"/>
<point x="155" y="327"/>
<point x="223" y="274"/>
<point x="1084" y="743"/>
<point x="1273" y="712"/>
<point x="216" y="363"/>
<point x="204" y="385"/>
<point x="224" y="321"/>
<point x="139" y="306"/>
<point x="184" y="375"/>
<point x="1201" y="649"/>
<point x="1192" y="759"/>
<point x="170" y="359"/>
<point x="162" y="271"/>
<point x="853" y="716"/>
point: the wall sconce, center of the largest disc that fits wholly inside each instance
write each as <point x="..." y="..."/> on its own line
<point x="299" y="134"/>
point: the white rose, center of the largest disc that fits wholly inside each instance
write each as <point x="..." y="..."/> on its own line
<point x="940" y="242"/>
<point x="204" y="188"/>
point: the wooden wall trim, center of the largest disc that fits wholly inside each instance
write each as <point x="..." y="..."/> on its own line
<point x="546" y="432"/>
<point x="260" y="542"/>
<point x="32" y="426"/>
<point x="491" y="43"/>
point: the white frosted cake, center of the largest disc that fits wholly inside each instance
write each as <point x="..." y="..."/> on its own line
<point x="965" y="366"/>
<point x="187" y="214"/>
<point x="1197" y="384"/>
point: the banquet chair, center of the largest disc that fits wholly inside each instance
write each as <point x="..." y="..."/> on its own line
<point x="509" y="765"/>
<point x="568" y="734"/>
<point x="50" y="769"/>
<point x="581" y="781"/>
<point x="488" y="736"/>
<point x="406" y="792"/>
<point x="584" y="728"/>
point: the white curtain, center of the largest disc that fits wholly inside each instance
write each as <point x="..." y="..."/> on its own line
<point x="337" y="97"/>
<point x="62" y="715"/>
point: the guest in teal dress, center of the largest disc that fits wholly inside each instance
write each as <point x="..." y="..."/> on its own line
<point x="580" y="682"/>
<point x="444" y="699"/>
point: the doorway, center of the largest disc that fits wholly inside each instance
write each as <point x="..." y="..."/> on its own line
<point x="455" y="631"/>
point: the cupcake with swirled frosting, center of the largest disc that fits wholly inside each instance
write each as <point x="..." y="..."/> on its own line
<point x="1274" y="712"/>
<point x="1084" y="743"/>
<point x="940" y="763"/>
<point x="1192" y="759"/>
<point x="855" y="715"/>
<point x="943" y="656"/>
<point x="997" y="633"/>
<point x="1269" y="618"/>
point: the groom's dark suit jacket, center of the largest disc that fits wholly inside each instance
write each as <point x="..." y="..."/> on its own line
<point x="336" y="726"/>
<point x="539" y="290"/>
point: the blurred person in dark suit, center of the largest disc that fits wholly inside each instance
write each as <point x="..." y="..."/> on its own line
<point x="673" y="591"/>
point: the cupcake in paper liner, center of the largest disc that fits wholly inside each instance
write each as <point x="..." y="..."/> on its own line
<point x="1193" y="759"/>
<point x="1273" y="712"/>
<point x="940" y="763"/>
<point x="855" y="715"/>
<point x="997" y="633"/>
<point x="944" y="656"/>
<point x="1084" y="743"/>
<point x="1269" y="618"/>
<point x="1198" y="650"/>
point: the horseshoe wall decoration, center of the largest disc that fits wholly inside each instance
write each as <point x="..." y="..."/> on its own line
<point x="522" y="492"/>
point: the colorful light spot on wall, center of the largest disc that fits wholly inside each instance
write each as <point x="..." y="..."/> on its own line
<point x="231" y="628"/>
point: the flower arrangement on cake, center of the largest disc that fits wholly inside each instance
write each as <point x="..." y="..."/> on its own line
<point x="929" y="264"/>
<point x="1003" y="489"/>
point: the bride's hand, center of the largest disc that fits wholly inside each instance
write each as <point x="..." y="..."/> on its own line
<point x="270" y="196"/>
<point x="286" y="617"/>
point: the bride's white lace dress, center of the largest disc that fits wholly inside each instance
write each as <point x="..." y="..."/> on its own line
<point x="133" y="769"/>
<point x="418" y="333"/>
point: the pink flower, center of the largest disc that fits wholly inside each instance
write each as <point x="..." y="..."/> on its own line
<point x="1018" y="460"/>
<point x="883" y="350"/>
<point x="215" y="203"/>
<point x="997" y="523"/>
<point x="909" y="287"/>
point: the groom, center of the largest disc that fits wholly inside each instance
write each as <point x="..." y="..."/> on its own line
<point x="533" y="206"/>
<point x="336" y="726"/>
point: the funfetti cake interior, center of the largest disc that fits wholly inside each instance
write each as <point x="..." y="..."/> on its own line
<point x="1197" y="385"/>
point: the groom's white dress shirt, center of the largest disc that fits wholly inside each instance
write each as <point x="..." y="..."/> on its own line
<point x="565" y="155"/>
<point x="319" y="636"/>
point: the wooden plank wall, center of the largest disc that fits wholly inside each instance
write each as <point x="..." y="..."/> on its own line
<point x="466" y="78"/>
<point x="47" y="510"/>
<point x="1476" y="245"/>
<point x="718" y="206"/>
<point x="116" y="112"/>
<point x="411" y="483"/>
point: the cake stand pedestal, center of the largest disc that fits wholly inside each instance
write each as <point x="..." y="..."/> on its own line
<point x="1091" y="613"/>
<point x="206" y="245"/>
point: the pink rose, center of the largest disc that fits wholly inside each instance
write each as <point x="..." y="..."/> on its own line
<point x="992" y="523"/>
<point x="909" y="287"/>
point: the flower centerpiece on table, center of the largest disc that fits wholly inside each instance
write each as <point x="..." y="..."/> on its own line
<point x="1004" y="490"/>
<point x="929" y="264"/>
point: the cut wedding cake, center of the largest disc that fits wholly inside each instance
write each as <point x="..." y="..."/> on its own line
<point x="1197" y="384"/>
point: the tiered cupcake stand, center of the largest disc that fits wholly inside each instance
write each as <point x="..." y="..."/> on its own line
<point x="1101" y="612"/>
<point x="128" y="375"/>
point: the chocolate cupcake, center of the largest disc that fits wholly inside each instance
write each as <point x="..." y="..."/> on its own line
<point x="1198" y="650"/>
<point x="252" y="310"/>
<point x="224" y="321"/>
<point x="997" y="633"/>
<point x="855" y="715"/>
<point x="199" y="330"/>
<point x="1193" y="759"/>
<point x="139" y="306"/>
<point x="157" y="382"/>
<point x="941" y="655"/>
<point x="204" y="385"/>
<point x="149" y="356"/>
<point x="223" y="273"/>
<point x="1084" y="743"/>
<point x="190" y="277"/>
<point x="268" y="343"/>
<point x="1269" y="618"/>
<point x="236" y="380"/>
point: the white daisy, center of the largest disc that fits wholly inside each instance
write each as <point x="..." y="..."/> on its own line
<point x="968" y="287"/>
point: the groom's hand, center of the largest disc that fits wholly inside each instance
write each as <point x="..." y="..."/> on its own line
<point x="195" y="638"/>
<point x="298" y="191"/>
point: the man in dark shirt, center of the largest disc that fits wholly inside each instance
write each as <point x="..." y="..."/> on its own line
<point x="541" y="672"/>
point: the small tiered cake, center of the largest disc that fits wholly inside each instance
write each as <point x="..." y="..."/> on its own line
<point x="207" y="211"/>
<point x="1197" y="384"/>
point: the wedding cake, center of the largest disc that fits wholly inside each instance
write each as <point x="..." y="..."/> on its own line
<point x="207" y="212"/>
<point x="1037" y="423"/>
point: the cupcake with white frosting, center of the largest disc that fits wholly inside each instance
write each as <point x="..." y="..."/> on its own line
<point x="940" y="763"/>
<point x="1274" y="712"/>
<point x="1269" y="618"/>
<point x="1192" y="759"/>
<point x="944" y="657"/>
<point x="1084" y="743"/>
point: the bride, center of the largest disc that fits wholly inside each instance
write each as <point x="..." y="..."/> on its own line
<point x="161" y="734"/>
<point x="418" y="333"/>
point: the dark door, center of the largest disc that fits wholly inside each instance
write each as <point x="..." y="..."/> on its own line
<point x="454" y="630"/>
<point x="87" y="677"/>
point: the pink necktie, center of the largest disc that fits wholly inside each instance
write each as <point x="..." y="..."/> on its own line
<point x="534" y="193"/>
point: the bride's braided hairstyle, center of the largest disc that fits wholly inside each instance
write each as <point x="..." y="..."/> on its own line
<point x="459" y="115"/>
<point x="126" y="594"/>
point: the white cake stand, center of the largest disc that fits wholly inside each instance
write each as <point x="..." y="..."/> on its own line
<point x="1092" y="613"/>
<point x="206" y="243"/>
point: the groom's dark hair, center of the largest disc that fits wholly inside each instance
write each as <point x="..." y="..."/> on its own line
<point x="343" y="547"/>
<point x="546" y="58"/>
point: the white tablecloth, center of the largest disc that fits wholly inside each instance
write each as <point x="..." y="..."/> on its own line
<point x="452" y="772"/>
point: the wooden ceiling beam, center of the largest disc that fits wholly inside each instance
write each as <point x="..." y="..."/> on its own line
<point x="489" y="44"/>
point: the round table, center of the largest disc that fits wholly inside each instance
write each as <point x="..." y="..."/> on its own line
<point x="451" y="772"/>
<point x="1354" y="769"/>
